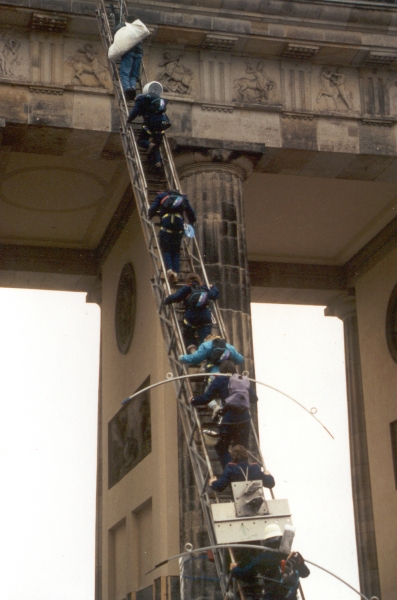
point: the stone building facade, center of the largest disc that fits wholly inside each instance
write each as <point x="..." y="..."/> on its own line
<point x="284" y="133"/>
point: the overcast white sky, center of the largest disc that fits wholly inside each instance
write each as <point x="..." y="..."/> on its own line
<point x="49" y="350"/>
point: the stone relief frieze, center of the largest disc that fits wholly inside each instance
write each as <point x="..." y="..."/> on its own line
<point x="11" y="60"/>
<point x="333" y="93"/>
<point x="259" y="88"/>
<point x="175" y="76"/>
<point x="86" y="68"/>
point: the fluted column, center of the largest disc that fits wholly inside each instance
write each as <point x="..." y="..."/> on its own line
<point x="345" y="308"/>
<point x="213" y="181"/>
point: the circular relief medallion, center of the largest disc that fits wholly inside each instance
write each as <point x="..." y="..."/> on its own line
<point x="391" y="324"/>
<point x="125" y="308"/>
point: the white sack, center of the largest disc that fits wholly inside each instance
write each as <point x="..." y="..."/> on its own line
<point x="126" y="38"/>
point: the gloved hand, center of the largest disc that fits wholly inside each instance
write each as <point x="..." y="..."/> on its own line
<point x="297" y="557"/>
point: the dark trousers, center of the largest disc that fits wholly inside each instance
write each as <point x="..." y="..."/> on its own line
<point x="170" y="246"/>
<point x="231" y="434"/>
<point x="154" y="156"/>
<point x="195" y="335"/>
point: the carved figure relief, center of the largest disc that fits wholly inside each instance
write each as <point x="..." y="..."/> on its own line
<point x="258" y="89"/>
<point x="130" y="437"/>
<point x="332" y="88"/>
<point x="9" y="49"/>
<point x="175" y="77"/>
<point x="87" y="69"/>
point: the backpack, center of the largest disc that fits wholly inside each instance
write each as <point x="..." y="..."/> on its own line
<point x="238" y="398"/>
<point x="219" y="351"/>
<point x="198" y="297"/>
<point x="173" y="202"/>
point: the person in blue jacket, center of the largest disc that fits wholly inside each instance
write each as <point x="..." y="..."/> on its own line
<point x="234" y="427"/>
<point x="241" y="470"/>
<point x="205" y="352"/>
<point x="197" y="321"/>
<point x="271" y="574"/>
<point x="151" y="107"/>
<point x="172" y="228"/>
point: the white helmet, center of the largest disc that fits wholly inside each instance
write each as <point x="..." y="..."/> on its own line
<point x="153" y="87"/>
<point x="271" y="531"/>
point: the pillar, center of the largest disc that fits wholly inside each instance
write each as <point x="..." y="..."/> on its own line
<point x="345" y="308"/>
<point x="213" y="179"/>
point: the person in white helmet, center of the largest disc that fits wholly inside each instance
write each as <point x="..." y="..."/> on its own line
<point x="271" y="574"/>
<point x="152" y="107"/>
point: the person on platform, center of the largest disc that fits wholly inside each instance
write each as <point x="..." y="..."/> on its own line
<point x="235" y="424"/>
<point x="197" y="319"/>
<point x="174" y="210"/>
<point x="239" y="469"/>
<point x="152" y="108"/>
<point x="213" y="350"/>
<point x="269" y="574"/>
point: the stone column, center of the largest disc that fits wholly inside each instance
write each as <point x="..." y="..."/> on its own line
<point x="345" y="308"/>
<point x="213" y="181"/>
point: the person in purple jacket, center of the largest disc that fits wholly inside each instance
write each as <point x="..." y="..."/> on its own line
<point x="241" y="470"/>
<point x="235" y="425"/>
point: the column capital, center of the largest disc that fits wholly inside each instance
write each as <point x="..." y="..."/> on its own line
<point x="189" y="161"/>
<point x="342" y="306"/>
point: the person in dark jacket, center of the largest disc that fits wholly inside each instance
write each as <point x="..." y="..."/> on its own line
<point x="151" y="107"/>
<point x="172" y="228"/>
<point x="197" y="321"/>
<point x="241" y="470"/>
<point x="235" y="424"/>
<point x="271" y="574"/>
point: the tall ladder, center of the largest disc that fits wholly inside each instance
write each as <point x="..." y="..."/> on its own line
<point x="144" y="182"/>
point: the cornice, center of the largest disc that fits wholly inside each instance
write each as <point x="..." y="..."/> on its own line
<point x="233" y="16"/>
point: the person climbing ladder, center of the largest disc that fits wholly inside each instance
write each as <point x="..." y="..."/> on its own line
<point x="173" y="208"/>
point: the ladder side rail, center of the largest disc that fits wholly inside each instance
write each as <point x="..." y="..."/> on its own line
<point x="139" y="184"/>
<point x="186" y="383"/>
<point x="204" y="500"/>
<point x="142" y="195"/>
<point x="174" y="183"/>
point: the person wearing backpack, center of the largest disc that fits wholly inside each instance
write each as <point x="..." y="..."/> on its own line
<point x="172" y="207"/>
<point x="270" y="574"/>
<point x="241" y="470"/>
<point x="235" y="394"/>
<point x="214" y="350"/>
<point x="152" y="108"/>
<point x="197" y="319"/>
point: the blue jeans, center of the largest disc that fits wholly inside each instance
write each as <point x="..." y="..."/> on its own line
<point x="130" y="68"/>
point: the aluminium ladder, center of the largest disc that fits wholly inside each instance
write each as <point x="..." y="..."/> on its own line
<point x="143" y="182"/>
